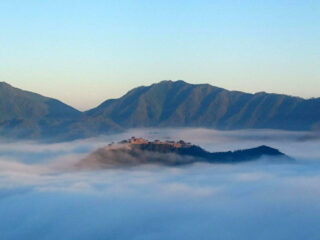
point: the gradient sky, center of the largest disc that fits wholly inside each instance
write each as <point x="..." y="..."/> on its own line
<point x="84" y="52"/>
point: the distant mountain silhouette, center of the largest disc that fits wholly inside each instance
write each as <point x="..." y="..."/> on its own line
<point x="29" y="115"/>
<point x="128" y="153"/>
<point x="179" y="104"/>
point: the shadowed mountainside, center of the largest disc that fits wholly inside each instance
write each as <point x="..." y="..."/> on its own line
<point x="27" y="115"/>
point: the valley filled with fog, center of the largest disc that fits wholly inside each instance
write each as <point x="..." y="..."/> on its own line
<point x="43" y="196"/>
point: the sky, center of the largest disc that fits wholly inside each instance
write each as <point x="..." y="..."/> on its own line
<point x="84" y="52"/>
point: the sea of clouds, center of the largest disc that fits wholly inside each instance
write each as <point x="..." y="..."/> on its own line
<point x="42" y="195"/>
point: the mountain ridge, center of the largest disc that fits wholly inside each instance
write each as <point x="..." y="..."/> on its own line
<point x="28" y="115"/>
<point x="178" y="103"/>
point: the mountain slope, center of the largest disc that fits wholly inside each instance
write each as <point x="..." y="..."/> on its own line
<point x="179" y="104"/>
<point x="29" y="115"/>
<point x="19" y="104"/>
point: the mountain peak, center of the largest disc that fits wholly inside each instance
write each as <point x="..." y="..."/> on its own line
<point x="170" y="82"/>
<point x="180" y="104"/>
<point x="28" y="114"/>
<point x="5" y="84"/>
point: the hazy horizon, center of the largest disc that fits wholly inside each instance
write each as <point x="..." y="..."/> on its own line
<point x="85" y="52"/>
<point x="116" y="97"/>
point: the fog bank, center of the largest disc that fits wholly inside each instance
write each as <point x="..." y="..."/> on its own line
<point x="42" y="197"/>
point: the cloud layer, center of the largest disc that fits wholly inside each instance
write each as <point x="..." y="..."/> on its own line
<point x="42" y="197"/>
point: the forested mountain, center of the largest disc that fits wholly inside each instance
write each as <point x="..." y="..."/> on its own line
<point x="29" y="115"/>
<point x="179" y="104"/>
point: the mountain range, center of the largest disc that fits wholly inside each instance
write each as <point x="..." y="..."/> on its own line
<point x="28" y="115"/>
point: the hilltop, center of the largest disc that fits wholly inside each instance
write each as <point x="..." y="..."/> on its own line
<point x="138" y="151"/>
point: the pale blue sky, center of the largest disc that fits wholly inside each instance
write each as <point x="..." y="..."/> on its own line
<point x="83" y="52"/>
